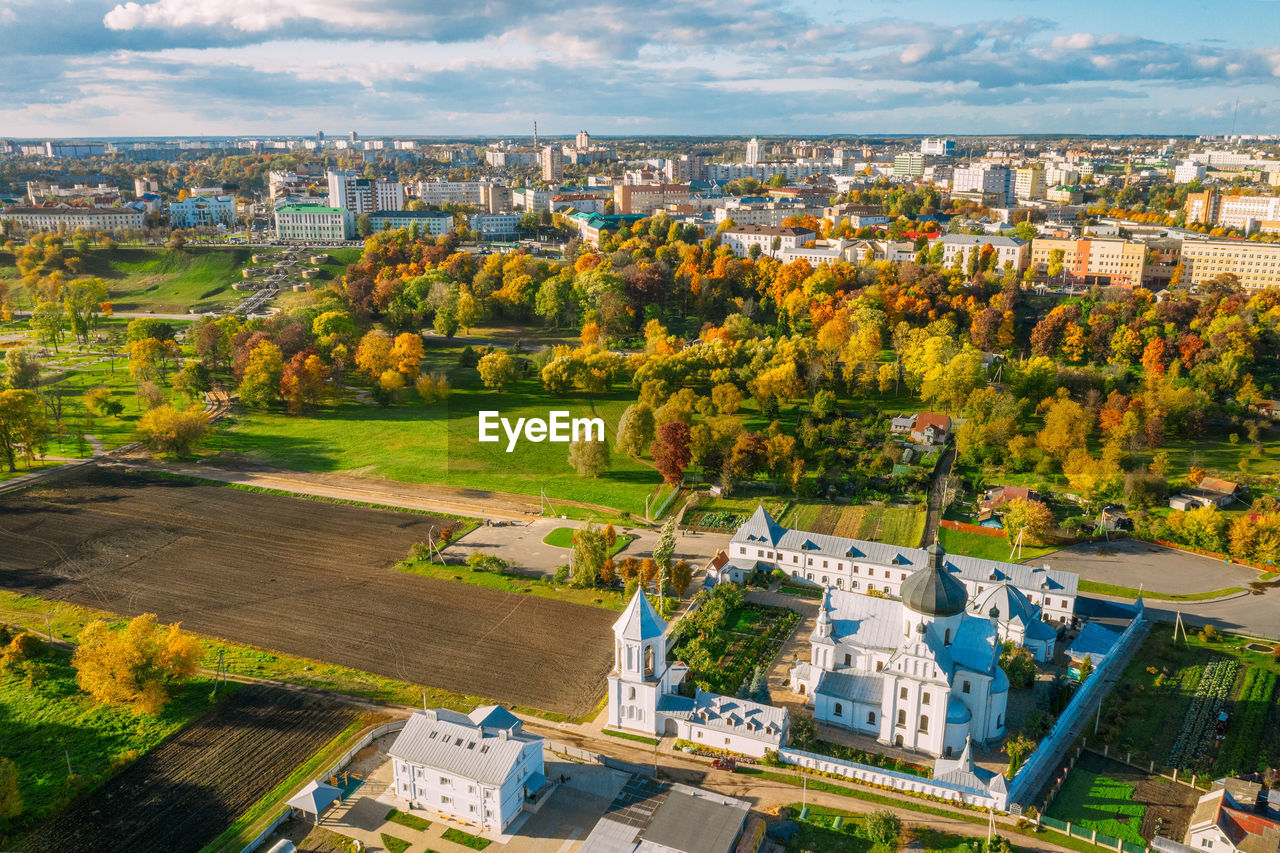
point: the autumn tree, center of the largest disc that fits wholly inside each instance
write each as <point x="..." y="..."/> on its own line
<point x="589" y="458"/>
<point x="497" y="369"/>
<point x="1066" y="425"/>
<point x="22" y="368"/>
<point x="260" y="384"/>
<point x="406" y="355"/>
<point x="373" y="355"/>
<point x="670" y="451"/>
<point x="22" y="425"/>
<point x="304" y="381"/>
<point x="589" y="554"/>
<point x="1032" y="518"/>
<point x="136" y="667"/>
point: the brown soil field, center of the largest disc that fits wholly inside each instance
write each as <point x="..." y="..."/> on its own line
<point x="302" y="577"/>
<point x="185" y="792"/>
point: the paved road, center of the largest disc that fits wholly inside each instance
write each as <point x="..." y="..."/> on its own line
<point x="1137" y="564"/>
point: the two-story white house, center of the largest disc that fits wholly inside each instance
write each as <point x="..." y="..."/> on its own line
<point x="859" y="565"/>
<point x="478" y="768"/>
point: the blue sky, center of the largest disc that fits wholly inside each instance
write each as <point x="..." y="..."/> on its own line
<point x="190" y="67"/>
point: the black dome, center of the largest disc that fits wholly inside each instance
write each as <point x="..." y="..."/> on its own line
<point x="933" y="590"/>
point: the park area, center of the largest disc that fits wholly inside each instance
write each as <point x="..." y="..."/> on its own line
<point x="306" y="578"/>
<point x="186" y="792"/>
<point x="1165" y="709"/>
<point x="1121" y="803"/>
<point x="726" y="639"/>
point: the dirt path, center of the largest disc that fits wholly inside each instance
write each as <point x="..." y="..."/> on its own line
<point x="936" y="493"/>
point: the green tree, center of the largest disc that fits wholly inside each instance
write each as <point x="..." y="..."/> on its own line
<point x="10" y="795"/>
<point x="192" y="380"/>
<point x="1032" y="518"/>
<point x="666" y="547"/>
<point x="589" y="458"/>
<point x="635" y="430"/>
<point x="49" y="322"/>
<point x="364" y="227"/>
<point x="22" y="368"/>
<point x="497" y="369"/>
<point x="22" y="425"/>
<point x="589" y="554"/>
<point x="1017" y="748"/>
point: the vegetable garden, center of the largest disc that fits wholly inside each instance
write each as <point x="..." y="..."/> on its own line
<point x="726" y="639"/>
<point x="1193" y="748"/>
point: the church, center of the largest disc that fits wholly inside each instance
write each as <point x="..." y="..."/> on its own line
<point x="644" y="694"/>
<point x="919" y="672"/>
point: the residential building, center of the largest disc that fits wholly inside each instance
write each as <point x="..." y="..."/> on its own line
<point x="479" y="768"/>
<point x="585" y="202"/>
<point x="439" y="192"/>
<point x="930" y="428"/>
<point x="859" y="215"/>
<point x="988" y="182"/>
<point x="496" y="226"/>
<point x="40" y="193"/>
<point x="551" y="161"/>
<point x="1065" y="195"/>
<point x="1236" y="816"/>
<point x="857" y="565"/>
<point x="1007" y="249"/>
<point x="1211" y="491"/>
<point x="1028" y="182"/>
<point x="1094" y="260"/>
<point x="643" y="693"/>
<point x="582" y="141"/>
<point x="1256" y="265"/>
<point x="931" y="147"/>
<point x="142" y="186"/>
<point x="685" y="168"/>
<point x="753" y="152"/>
<point x="313" y="223"/>
<point x="762" y="212"/>
<point x="65" y="217"/>
<point x="908" y="165"/>
<point x="650" y="816"/>
<point x="647" y="198"/>
<point x="919" y="673"/>
<point x="1188" y="171"/>
<point x="740" y="238"/>
<point x="360" y="195"/>
<point x="203" y="212"/>
<point x="1058" y="175"/>
<point x="533" y="198"/>
<point x="1245" y="212"/>
<point x="501" y="158"/>
<point x="433" y="222"/>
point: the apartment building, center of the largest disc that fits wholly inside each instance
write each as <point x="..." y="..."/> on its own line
<point x="1028" y="182"/>
<point x="63" y="216"/>
<point x="741" y="238"/>
<point x="313" y="223"/>
<point x="647" y="198"/>
<point x="359" y="195"/>
<point x="453" y="192"/>
<point x="1007" y="249"/>
<point x="761" y="212"/>
<point x="1248" y="213"/>
<point x="932" y="147"/>
<point x="551" y="161"/>
<point x="987" y="180"/>
<point x="1257" y="265"/>
<point x="1094" y="260"/>
<point x="433" y="222"/>
<point x="1187" y="171"/>
<point x="908" y="165"/>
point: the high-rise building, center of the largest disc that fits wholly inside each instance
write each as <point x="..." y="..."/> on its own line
<point x="992" y="181"/>
<point x="582" y="141"/>
<point x="1028" y="182"/>
<point x="552" y="161"/>
<point x="908" y="165"/>
<point x="1188" y="171"/>
<point x="753" y="151"/>
<point x="937" y="147"/>
<point x="354" y="137"/>
<point x="361" y="195"/>
<point x="1246" y="212"/>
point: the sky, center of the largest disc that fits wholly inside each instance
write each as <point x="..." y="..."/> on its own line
<point x="84" y="68"/>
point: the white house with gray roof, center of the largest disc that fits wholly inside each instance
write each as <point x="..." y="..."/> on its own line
<point x="478" y="768"/>
<point x="919" y="673"/>
<point x="859" y="565"/>
<point x="644" y="693"/>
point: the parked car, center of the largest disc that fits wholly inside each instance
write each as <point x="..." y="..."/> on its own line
<point x="725" y="764"/>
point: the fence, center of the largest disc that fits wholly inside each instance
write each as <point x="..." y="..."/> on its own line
<point x="1034" y="772"/>
<point x="881" y="778"/>
<point x="596" y="758"/>
<point x="266" y="833"/>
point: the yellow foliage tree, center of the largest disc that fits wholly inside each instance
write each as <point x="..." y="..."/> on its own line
<point x="135" y="667"/>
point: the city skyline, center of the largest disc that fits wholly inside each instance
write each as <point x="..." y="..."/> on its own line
<point x="227" y="67"/>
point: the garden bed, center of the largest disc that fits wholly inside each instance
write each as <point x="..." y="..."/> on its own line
<point x="726" y="639"/>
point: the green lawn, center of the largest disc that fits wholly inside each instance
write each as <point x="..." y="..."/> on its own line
<point x="562" y="537"/>
<point x="537" y="587"/>
<point x="50" y="719"/>
<point x="413" y="442"/>
<point x="466" y="839"/>
<point x="410" y="820"/>
<point x="988" y="547"/>
<point x="1101" y="804"/>
<point x="818" y="831"/>
<point x="393" y="844"/>
<point x="1130" y="592"/>
<point x="154" y="279"/>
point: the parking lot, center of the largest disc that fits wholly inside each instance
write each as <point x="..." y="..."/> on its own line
<point x="1132" y="563"/>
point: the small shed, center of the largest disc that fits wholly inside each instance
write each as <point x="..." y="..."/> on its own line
<point x="1095" y="642"/>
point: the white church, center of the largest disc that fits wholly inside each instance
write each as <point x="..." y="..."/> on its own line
<point x="644" y="694"/>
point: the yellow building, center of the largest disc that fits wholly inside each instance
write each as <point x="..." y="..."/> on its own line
<point x="1257" y="265"/>
<point x="1095" y="260"/>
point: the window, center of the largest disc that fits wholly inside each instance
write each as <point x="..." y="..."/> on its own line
<point x="445" y="801"/>
<point x="809" y="576"/>
<point x="924" y="724"/>
<point x="824" y="564"/>
<point x="902" y="694"/>
<point x="1064" y="602"/>
<point x="839" y="710"/>
<point x="840" y="583"/>
<point x="726" y="741"/>
<point x="648" y="661"/>
<point x="947" y="752"/>
<point x="742" y="550"/>
<point x="759" y="552"/>
<point x="946" y="638"/>
<point x="1000" y="721"/>
<point x="871" y="573"/>
<point x="795" y="558"/>
<point x="699" y="735"/>
<point x="1206" y="843"/>
<point x="824" y="579"/>
<point x="924" y="699"/>
<point x="964" y="688"/>
<point x="886" y="587"/>
<point x="848" y="659"/>
<point x="445" y="780"/>
<point x="871" y="718"/>
<point x="902" y="718"/>
<point x="879" y="666"/>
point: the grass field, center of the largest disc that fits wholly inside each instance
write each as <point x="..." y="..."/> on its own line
<point x="1102" y="804"/>
<point x="414" y="442"/>
<point x="50" y="722"/>
<point x="537" y="587"/>
<point x="562" y="537"/>
<point x="987" y="547"/>
<point x="895" y="525"/>
<point x="145" y="279"/>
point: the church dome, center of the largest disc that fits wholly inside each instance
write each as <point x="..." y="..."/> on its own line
<point x="932" y="590"/>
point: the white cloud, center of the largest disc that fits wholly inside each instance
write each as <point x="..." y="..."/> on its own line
<point x="250" y="16"/>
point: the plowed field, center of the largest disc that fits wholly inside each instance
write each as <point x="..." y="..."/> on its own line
<point x="302" y="577"/>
